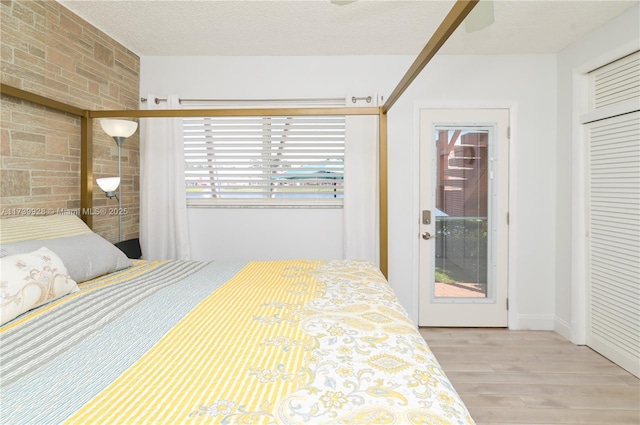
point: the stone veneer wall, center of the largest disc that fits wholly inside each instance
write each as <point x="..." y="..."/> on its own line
<point x="48" y="50"/>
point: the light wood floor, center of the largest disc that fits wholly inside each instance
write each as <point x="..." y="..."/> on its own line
<point x="533" y="377"/>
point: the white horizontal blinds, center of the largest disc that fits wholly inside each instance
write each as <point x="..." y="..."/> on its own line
<point x="267" y="157"/>
<point x="616" y="82"/>
<point x="614" y="221"/>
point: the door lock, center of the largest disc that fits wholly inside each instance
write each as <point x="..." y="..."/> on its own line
<point x="426" y="216"/>
<point x="426" y="236"/>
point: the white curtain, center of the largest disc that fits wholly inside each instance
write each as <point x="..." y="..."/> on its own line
<point x="361" y="208"/>
<point x="164" y="232"/>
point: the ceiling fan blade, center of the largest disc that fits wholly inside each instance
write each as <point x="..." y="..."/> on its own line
<point x="342" y="2"/>
<point x="480" y="17"/>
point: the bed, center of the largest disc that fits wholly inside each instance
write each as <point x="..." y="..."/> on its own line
<point x="167" y="342"/>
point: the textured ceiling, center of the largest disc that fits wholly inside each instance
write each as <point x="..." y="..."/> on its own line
<point x="320" y="27"/>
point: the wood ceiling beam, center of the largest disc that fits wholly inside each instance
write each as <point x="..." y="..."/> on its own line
<point x="458" y="12"/>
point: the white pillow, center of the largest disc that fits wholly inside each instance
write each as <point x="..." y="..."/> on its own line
<point x="85" y="256"/>
<point x="30" y="280"/>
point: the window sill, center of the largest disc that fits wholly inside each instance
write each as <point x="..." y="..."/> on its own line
<point x="266" y="203"/>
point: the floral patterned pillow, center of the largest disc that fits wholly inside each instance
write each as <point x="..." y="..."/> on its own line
<point x="30" y="280"/>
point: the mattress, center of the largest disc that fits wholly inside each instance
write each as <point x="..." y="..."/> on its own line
<point x="316" y="342"/>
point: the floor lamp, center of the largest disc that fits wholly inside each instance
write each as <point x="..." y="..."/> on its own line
<point x="119" y="130"/>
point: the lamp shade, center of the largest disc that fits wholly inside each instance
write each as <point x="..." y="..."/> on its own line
<point x="109" y="184"/>
<point x="119" y="128"/>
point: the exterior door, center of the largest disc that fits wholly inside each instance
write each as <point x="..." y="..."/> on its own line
<point x="464" y="217"/>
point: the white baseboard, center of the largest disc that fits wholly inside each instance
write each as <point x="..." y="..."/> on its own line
<point x="534" y="322"/>
<point x="563" y="328"/>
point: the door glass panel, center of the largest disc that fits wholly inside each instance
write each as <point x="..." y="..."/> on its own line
<point x="462" y="193"/>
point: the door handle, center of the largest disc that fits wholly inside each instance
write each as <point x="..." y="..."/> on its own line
<point x="426" y="236"/>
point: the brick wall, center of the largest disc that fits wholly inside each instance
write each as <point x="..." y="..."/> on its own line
<point x="47" y="50"/>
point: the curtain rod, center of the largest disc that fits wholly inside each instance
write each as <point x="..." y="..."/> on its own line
<point x="157" y="100"/>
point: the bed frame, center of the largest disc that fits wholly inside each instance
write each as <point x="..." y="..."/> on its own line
<point x="453" y="19"/>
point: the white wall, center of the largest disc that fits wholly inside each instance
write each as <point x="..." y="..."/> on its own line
<point x="231" y="234"/>
<point x="617" y="38"/>
<point x="527" y="84"/>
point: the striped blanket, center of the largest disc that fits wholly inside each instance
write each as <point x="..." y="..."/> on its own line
<point x="203" y="342"/>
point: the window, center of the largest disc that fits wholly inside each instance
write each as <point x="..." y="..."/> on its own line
<point x="265" y="160"/>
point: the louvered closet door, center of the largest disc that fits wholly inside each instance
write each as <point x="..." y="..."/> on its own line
<point x="614" y="239"/>
<point x="617" y="82"/>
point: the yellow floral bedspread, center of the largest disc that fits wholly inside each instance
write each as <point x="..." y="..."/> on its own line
<point x="287" y="342"/>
